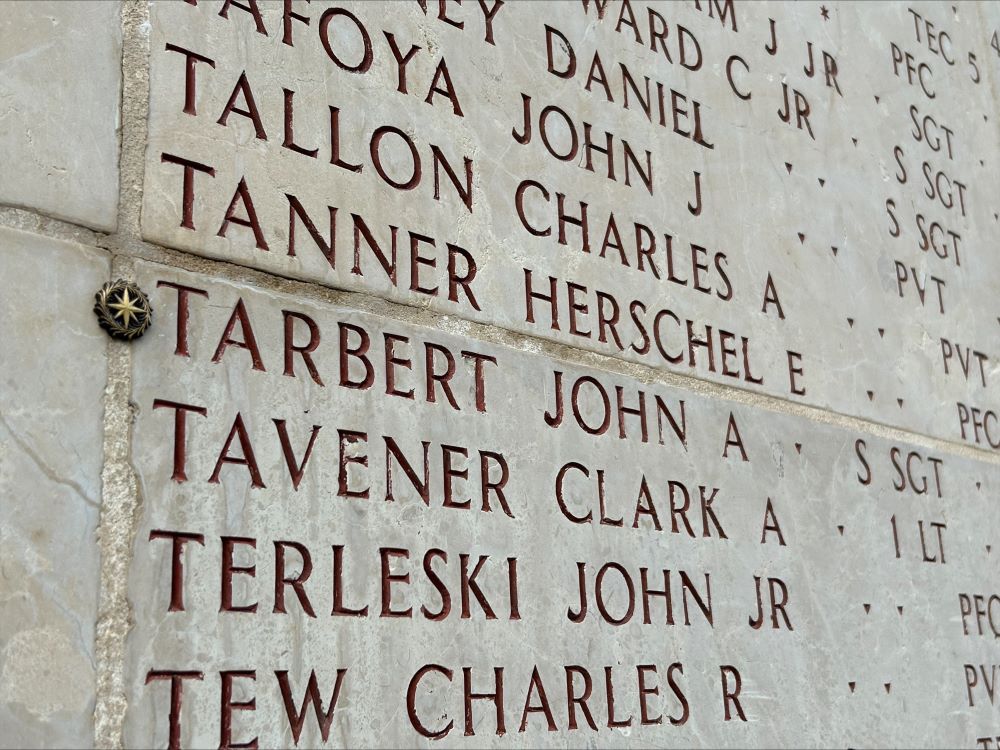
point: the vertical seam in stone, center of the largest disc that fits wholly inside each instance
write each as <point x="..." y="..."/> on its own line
<point x="134" y="112"/>
<point x="119" y="503"/>
<point x="120" y="499"/>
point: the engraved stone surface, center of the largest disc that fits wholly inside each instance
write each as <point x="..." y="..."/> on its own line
<point x="594" y="373"/>
<point x="403" y="512"/>
<point x="790" y="198"/>
<point x="52" y="377"/>
<point x="60" y="85"/>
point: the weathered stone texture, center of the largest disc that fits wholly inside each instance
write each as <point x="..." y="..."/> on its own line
<point x="60" y="86"/>
<point x="52" y="377"/>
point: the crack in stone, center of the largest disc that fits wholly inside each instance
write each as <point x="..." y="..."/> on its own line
<point x="45" y="468"/>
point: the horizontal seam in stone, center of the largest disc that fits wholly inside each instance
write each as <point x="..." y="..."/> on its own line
<point x="403" y="312"/>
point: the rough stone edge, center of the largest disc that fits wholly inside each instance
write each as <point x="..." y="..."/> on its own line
<point x="120" y="501"/>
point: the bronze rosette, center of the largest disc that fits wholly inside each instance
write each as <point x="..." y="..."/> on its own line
<point x="123" y="310"/>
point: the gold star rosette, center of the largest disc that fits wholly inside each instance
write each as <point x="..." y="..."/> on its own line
<point x="123" y="310"/>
